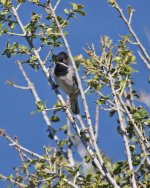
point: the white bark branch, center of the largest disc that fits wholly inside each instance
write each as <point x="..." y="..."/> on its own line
<point x="123" y="128"/>
<point x="98" y="162"/>
<point x="139" y="44"/>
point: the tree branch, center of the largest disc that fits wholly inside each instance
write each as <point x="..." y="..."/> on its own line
<point x="139" y="44"/>
<point x="56" y="5"/>
<point x="20" y="185"/>
<point x="144" y="140"/>
<point x="96" y="122"/>
<point x="98" y="162"/>
<point x="123" y="128"/>
<point x="44" y="114"/>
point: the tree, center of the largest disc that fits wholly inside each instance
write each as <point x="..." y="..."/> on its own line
<point x="108" y="79"/>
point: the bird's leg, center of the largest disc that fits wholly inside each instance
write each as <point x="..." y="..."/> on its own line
<point x="54" y="86"/>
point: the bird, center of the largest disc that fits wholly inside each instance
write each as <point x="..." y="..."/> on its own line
<point x="65" y="78"/>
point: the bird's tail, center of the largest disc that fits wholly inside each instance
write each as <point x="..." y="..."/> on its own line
<point x="74" y="104"/>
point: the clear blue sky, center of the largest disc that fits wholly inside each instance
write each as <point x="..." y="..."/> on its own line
<point x="17" y="105"/>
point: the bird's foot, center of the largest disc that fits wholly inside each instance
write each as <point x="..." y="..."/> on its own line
<point x="54" y="86"/>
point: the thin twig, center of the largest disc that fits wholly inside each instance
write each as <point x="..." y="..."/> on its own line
<point x="21" y="154"/>
<point x="18" y="6"/>
<point x="69" y="150"/>
<point x="13" y="181"/>
<point x="141" y="164"/>
<point x="96" y="130"/>
<point x="139" y="44"/>
<point x="16" y="34"/>
<point x="16" y="145"/>
<point x="131" y="15"/>
<point x="131" y="93"/>
<point x="17" y="86"/>
<point x="144" y="140"/>
<point x="123" y="128"/>
<point x="143" y="59"/>
<point x="69" y="143"/>
<point x="56" y="5"/>
<point x="80" y="121"/>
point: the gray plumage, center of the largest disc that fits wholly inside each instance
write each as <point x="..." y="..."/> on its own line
<point x="66" y="80"/>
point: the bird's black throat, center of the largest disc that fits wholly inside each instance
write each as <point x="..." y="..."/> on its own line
<point x="61" y="70"/>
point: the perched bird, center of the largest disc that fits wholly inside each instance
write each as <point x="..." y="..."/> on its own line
<point x="66" y="80"/>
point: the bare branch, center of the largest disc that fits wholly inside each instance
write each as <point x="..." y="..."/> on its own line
<point x="81" y="122"/>
<point x="141" y="164"/>
<point x="143" y="139"/>
<point x="87" y="89"/>
<point x="16" y="34"/>
<point x="131" y="15"/>
<point x="69" y="150"/>
<point x="18" y="6"/>
<point x="56" y="5"/>
<point x="131" y="93"/>
<point x="14" y="11"/>
<point x="20" y="185"/>
<point x="21" y="154"/>
<point x="123" y="128"/>
<point x="18" y="146"/>
<point x="144" y="59"/>
<point x="96" y="122"/>
<point x="139" y="44"/>
<point x="17" y="86"/>
<point x="49" y="54"/>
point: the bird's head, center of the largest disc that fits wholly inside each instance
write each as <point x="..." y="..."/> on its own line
<point x="62" y="57"/>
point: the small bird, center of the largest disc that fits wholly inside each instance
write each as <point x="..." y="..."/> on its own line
<point x="66" y="80"/>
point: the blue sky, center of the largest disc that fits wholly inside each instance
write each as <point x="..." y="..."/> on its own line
<point x="17" y="105"/>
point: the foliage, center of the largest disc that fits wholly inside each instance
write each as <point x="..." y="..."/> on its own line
<point x="109" y="79"/>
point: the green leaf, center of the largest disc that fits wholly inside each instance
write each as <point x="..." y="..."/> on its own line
<point x="23" y="49"/>
<point x="35" y="1"/>
<point x="10" y="177"/>
<point x="66" y="11"/>
<point x="132" y="148"/>
<point x="112" y="2"/>
<point x="64" y="128"/>
<point x="81" y="13"/>
<point x="87" y="61"/>
<point x="58" y="104"/>
<point x="143" y="113"/>
<point x="130" y="9"/>
<point x="4" y="13"/>
<point x="95" y="84"/>
<point x="80" y="6"/>
<point x="102" y="100"/>
<point x="39" y="105"/>
<point x="62" y="143"/>
<point x="74" y="6"/>
<point x="118" y="167"/>
<point x="6" y="3"/>
<point x="54" y="118"/>
<point x="147" y="122"/>
<point x="87" y="158"/>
